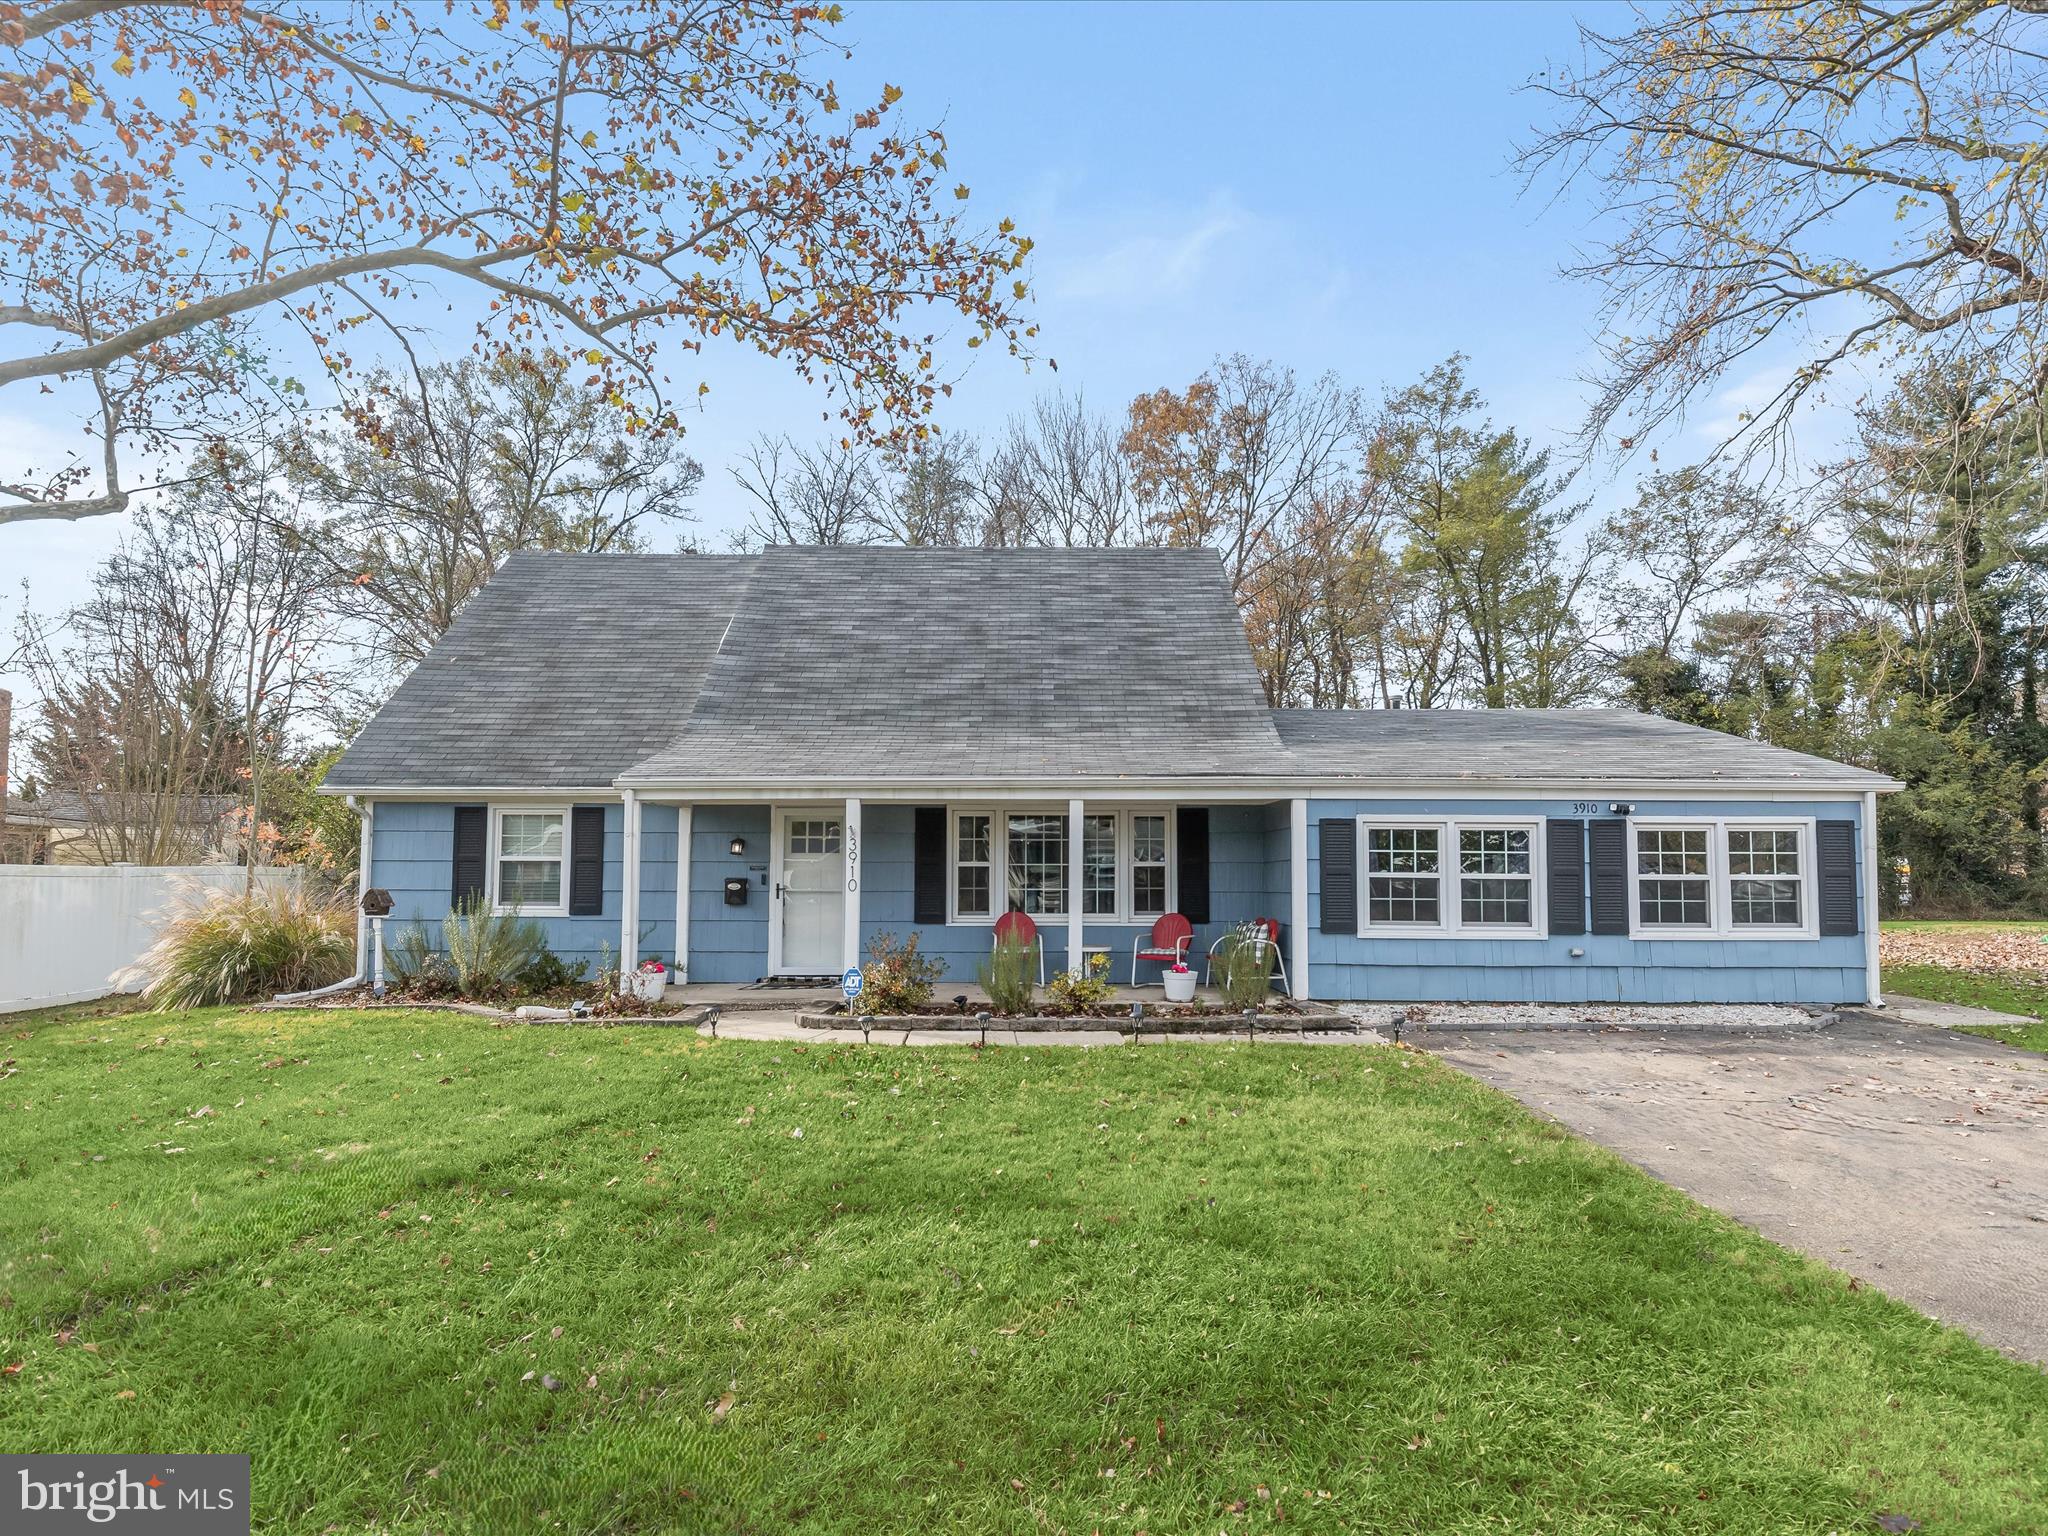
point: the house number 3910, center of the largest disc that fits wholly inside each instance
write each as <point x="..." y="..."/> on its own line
<point x="1585" y="807"/>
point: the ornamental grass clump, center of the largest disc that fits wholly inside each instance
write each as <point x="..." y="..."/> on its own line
<point x="1006" y="975"/>
<point x="489" y="951"/>
<point x="220" y="946"/>
<point x="1243" y="967"/>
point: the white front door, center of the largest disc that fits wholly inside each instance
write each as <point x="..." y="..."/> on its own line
<point x="811" y="892"/>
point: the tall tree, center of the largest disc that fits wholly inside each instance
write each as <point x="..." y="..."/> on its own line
<point x="1058" y="477"/>
<point x="599" y="173"/>
<point x="1481" y="515"/>
<point x="828" y="493"/>
<point x="1833" y="181"/>
<point x="1225" y="463"/>
<point x="419" y="492"/>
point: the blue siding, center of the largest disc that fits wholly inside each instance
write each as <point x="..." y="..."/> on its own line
<point x="412" y="855"/>
<point x="1609" y="968"/>
<point x="413" y="847"/>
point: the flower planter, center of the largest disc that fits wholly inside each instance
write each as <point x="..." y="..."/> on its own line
<point x="1180" y="986"/>
<point x="649" y="985"/>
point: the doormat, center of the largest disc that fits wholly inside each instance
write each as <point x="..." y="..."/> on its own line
<point x="790" y="984"/>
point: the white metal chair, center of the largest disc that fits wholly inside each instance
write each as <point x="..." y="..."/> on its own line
<point x="1268" y="938"/>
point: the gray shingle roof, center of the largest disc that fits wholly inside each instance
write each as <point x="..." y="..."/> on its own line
<point x="563" y="672"/>
<point x="977" y="664"/>
<point x="1616" y="745"/>
<point x="844" y="666"/>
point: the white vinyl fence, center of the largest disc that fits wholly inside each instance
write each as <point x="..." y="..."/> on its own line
<point x="66" y="929"/>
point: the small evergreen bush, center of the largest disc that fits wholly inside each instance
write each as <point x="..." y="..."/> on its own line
<point x="1006" y="975"/>
<point x="489" y="951"/>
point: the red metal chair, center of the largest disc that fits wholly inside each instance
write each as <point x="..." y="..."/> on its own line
<point x="1268" y="938"/>
<point x="1171" y="936"/>
<point x="1018" y="925"/>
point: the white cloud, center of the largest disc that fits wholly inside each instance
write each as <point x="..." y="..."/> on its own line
<point x="1166" y="260"/>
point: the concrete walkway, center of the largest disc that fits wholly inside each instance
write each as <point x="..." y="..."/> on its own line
<point x="1918" y="1010"/>
<point x="1910" y="1157"/>
<point x="764" y="1026"/>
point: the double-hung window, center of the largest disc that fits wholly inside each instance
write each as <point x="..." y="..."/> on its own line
<point x="1766" y="878"/>
<point x="1716" y="878"/>
<point x="1457" y="875"/>
<point x="974" y="865"/>
<point x="1674" y="885"/>
<point x="1404" y="876"/>
<point x="528" y="849"/>
<point x="1017" y="858"/>
<point x="1496" y="878"/>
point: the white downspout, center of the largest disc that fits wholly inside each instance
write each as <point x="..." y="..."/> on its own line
<point x="1297" y="913"/>
<point x="1076" y="927"/>
<point x="629" y="896"/>
<point x="1873" y="983"/>
<point x="366" y="813"/>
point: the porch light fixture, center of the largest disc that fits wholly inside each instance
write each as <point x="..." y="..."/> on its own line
<point x="736" y="847"/>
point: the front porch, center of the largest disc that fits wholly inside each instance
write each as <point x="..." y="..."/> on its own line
<point x="802" y="889"/>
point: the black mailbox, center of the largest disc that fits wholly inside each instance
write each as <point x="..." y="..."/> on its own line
<point x="736" y="891"/>
<point x="377" y="902"/>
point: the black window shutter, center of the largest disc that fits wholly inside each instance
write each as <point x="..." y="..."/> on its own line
<point x="1339" y="865"/>
<point x="1193" y="836"/>
<point x="1837" y="861"/>
<point x="586" y="861"/>
<point x="928" y="865"/>
<point x="1565" y="854"/>
<point x="472" y="832"/>
<point x="1607" y="843"/>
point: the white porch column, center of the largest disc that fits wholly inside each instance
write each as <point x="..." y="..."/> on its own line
<point x="683" y="890"/>
<point x="850" y="841"/>
<point x="629" y="882"/>
<point x="1297" y="912"/>
<point x="1872" y="986"/>
<point x="1076" y="929"/>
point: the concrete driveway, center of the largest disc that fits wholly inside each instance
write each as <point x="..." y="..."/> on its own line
<point x="1913" y="1158"/>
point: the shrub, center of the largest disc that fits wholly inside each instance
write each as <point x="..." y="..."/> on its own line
<point x="896" y="978"/>
<point x="1006" y="975"/>
<point x="414" y="963"/>
<point x="228" y="946"/>
<point x="1243" y="966"/>
<point x="1077" y="990"/>
<point x="551" y="973"/>
<point x="489" y="951"/>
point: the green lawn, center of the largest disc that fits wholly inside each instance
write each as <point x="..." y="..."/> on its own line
<point x="1195" y="1288"/>
<point x="2006" y="991"/>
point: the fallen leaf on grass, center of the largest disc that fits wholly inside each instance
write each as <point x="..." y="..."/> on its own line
<point x="13" y="1369"/>
<point x="720" y="1408"/>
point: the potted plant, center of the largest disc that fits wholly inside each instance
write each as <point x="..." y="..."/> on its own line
<point x="1180" y="982"/>
<point x="652" y="980"/>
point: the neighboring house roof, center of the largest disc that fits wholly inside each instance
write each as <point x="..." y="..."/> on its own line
<point x="61" y="808"/>
<point x="977" y="664"/>
<point x="563" y="672"/>
<point x="845" y="666"/>
<point x="1591" y="745"/>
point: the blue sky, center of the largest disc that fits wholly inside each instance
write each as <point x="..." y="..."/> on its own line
<point x="1325" y="186"/>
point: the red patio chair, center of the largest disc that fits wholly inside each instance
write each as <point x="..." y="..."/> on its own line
<point x="1269" y="936"/>
<point x="1018" y="925"/>
<point x="1171" y="936"/>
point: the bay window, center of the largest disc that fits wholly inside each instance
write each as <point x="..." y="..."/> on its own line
<point x="1017" y="859"/>
<point x="1450" y="876"/>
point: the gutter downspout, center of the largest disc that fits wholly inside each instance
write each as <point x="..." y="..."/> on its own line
<point x="1873" y="983"/>
<point x="366" y="812"/>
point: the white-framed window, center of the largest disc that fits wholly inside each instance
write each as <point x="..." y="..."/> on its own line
<point x="530" y="859"/>
<point x="1721" y="877"/>
<point x="1151" y="890"/>
<point x="974" y="865"/>
<point x="1005" y="857"/>
<point x="1439" y="875"/>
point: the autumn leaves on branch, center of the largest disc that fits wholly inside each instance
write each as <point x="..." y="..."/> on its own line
<point x="622" y="179"/>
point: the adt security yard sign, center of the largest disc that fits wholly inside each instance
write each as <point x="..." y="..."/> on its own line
<point x="851" y="982"/>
